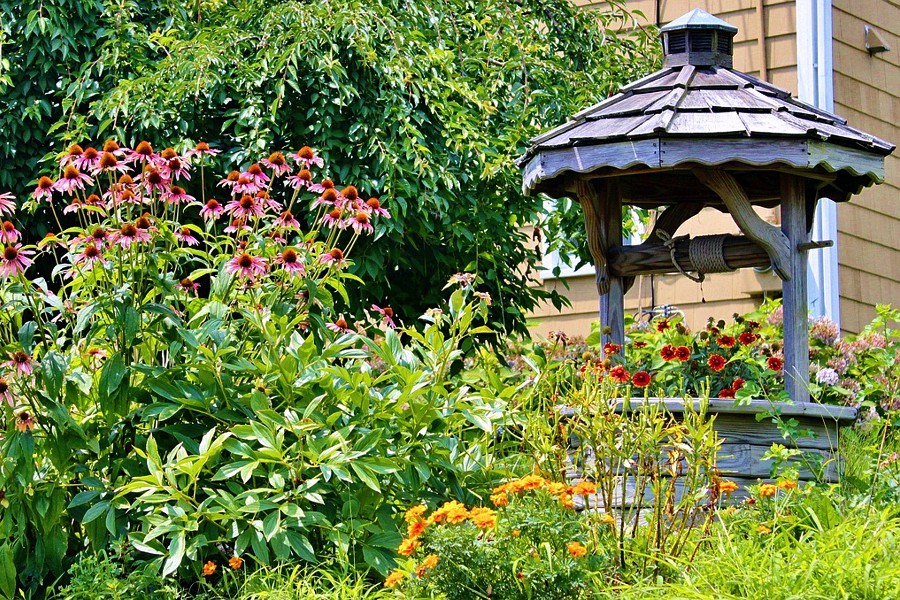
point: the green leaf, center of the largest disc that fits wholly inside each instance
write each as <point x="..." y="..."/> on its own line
<point x="111" y="375"/>
<point x="7" y="572"/>
<point x="53" y="367"/>
<point x="95" y="511"/>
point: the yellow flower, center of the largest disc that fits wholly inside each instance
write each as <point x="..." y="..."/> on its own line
<point x="557" y="489"/>
<point x="566" y="501"/>
<point x="727" y="487"/>
<point x="394" y="579"/>
<point x="500" y="499"/>
<point x="585" y="488"/>
<point x="415" y="513"/>
<point x="576" y="549"/>
<point x="209" y="568"/>
<point x="483" y="518"/>
<point x="408" y="546"/>
<point x="787" y="484"/>
<point x="235" y="562"/>
<point x="767" y="489"/>
<point x="607" y="519"/>
<point x="763" y="529"/>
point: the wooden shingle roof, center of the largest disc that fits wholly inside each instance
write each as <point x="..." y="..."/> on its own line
<point x="704" y="114"/>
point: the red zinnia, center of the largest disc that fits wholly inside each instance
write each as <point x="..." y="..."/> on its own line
<point x="775" y="363"/>
<point x="716" y="362"/>
<point x="619" y="374"/>
<point x="726" y="341"/>
<point x="668" y="352"/>
<point x="747" y="338"/>
<point x="683" y="353"/>
<point x="641" y="379"/>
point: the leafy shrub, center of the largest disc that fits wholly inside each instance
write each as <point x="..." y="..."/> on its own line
<point x="191" y="386"/>
<point x="102" y="577"/>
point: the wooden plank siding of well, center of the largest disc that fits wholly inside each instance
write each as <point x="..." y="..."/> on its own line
<point x="867" y="93"/>
<point x="724" y="293"/>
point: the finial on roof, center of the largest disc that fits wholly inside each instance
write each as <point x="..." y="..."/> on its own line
<point x="698" y="38"/>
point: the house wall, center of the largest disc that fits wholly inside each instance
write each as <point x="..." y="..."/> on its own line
<point x="866" y="90"/>
<point x="867" y="94"/>
<point x="774" y="59"/>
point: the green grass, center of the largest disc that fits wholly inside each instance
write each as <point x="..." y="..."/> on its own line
<point x="299" y="583"/>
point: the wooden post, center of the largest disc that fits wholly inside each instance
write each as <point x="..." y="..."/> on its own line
<point x="612" y="303"/>
<point x="796" y="327"/>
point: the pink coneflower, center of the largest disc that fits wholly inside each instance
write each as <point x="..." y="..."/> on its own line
<point x="88" y="161"/>
<point x="73" y="153"/>
<point x="246" y="265"/>
<point x="109" y="163"/>
<point x="334" y="256"/>
<point x="340" y="326"/>
<point x="186" y="236"/>
<point x="8" y="233"/>
<point x="153" y="180"/>
<point x="15" y="260"/>
<point x="201" y="149"/>
<point x="177" y="195"/>
<point x="51" y="239"/>
<point x="98" y="236"/>
<point x="245" y="207"/>
<point x="72" y="180"/>
<point x="112" y="147"/>
<point x="188" y="286"/>
<point x="287" y="221"/>
<point x="20" y="362"/>
<point x="290" y="262"/>
<point x="267" y="201"/>
<point x="129" y="234"/>
<point x="44" y="189"/>
<point x="245" y="185"/>
<point x="256" y="175"/>
<point x="360" y="223"/>
<point x="238" y="225"/>
<point x="329" y="197"/>
<point x="212" y="210"/>
<point x="277" y="163"/>
<point x="333" y="219"/>
<point x="230" y="180"/>
<point x="276" y="237"/>
<point x="387" y="314"/>
<point x="73" y="206"/>
<point x="303" y="179"/>
<point x="25" y="421"/>
<point x="142" y="153"/>
<point x="374" y="205"/>
<point x="306" y="157"/>
<point x="90" y="256"/>
<point x="175" y="168"/>
<point x="5" y="394"/>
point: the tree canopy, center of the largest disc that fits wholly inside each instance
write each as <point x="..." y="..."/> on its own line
<point x="425" y="103"/>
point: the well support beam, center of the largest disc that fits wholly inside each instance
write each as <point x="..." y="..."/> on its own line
<point x="796" y="327"/>
<point x="654" y="258"/>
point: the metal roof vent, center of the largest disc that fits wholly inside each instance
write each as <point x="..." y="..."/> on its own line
<point x="699" y="39"/>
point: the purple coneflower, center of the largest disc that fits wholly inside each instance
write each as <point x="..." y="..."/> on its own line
<point x="245" y="185"/>
<point x="25" y="421"/>
<point x="201" y="149"/>
<point x="290" y="262"/>
<point x="277" y="163"/>
<point x="188" y="286"/>
<point x="334" y="257"/>
<point x="73" y="206"/>
<point x="72" y="180"/>
<point x="112" y="147"/>
<point x="175" y="168"/>
<point x="375" y="206"/>
<point x="142" y="153"/>
<point x="230" y="180"/>
<point x="329" y="197"/>
<point x="287" y="221"/>
<point x="90" y="256"/>
<point x="186" y="236"/>
<point x="303" y="179"/>
<point x="153" y="180"/>
<point x="212" y="210"/>
<point x="74" y="152"/>
<point x="333" y="219"/>
<point x="15" y="261"/>
<point x="20" y="362"/>
<point x="44" y="189"/>
<point x="110" y="163"/>
<point x="129" y="234"/>
<point x="256" y="175"/>
<point x="5" y="394"/>
<point x="360" y="223"/>
<point x="387" y="314"/>
<point x="238" y="225"/>
<point x="245" y="207"/>
<point x="246" y="265"/>
<point x="306" y="157"/>
<point x="8" y="233"/>
<point x="177" y="195"/>
<point x="88" y="161"/>
<point x="340" y="326"/>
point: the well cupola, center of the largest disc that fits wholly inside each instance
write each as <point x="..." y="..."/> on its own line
<point x="698" y="39"/>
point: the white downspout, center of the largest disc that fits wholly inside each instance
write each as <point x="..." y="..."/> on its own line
<point x="815" y="82"/>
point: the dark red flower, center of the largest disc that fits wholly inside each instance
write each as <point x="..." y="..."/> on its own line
<point x="640" y="344"/>
<point x="747" y="338"/>
<point x="668" y="352"/>
<point x="737" y="384"/>
<point x="610" y="348"/>
<point x="683" y="353"/>
<point x="716" y="362"/>
<point x="641" y="379"/>
<point x="726" y="393"/>
<point x="619" y="374"/>
<point x="726" y="341"/>
<point x="775" y="363"/>
<point x="662" y="325"/>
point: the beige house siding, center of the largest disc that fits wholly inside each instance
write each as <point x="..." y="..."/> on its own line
<point x="867" y="94"/>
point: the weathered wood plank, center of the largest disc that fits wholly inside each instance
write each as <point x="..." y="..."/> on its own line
<point x="593" y="196"/>
<point x="794" y="290"/>
<point x="654" y="258"/>
<point x="744" y="429"/>
<point x="612" y="302"/>
<point x="775" y="242"/>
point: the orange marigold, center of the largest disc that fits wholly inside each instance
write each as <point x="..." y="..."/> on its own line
<point x="209" y="568"/>
<point x="727" y="487"/>
<point x="585" y="488"/>
<point x="483" y="518"/>
<point x="394" y="579"/>
<point x="567" y="501"/>
<point x="515" y="533"/>
<point x="607" y="519"/>
<point x="767" y="489"/>
<point x="533" y="482"/>
<point x="408" y="546"/>
<point x="415" y="513"/>
<point x="500" y="499"/>
<point x="557" y="489"/>
<point x="576" y="549"/>
<point x="787" y="484"/>
<point x="235" y="562"/>
<point x="415" y="529"/>
<point x="763" y="529"/>
<point x="452" y="512"/>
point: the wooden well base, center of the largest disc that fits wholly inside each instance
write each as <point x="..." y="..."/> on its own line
<point x="745" y="439"/>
